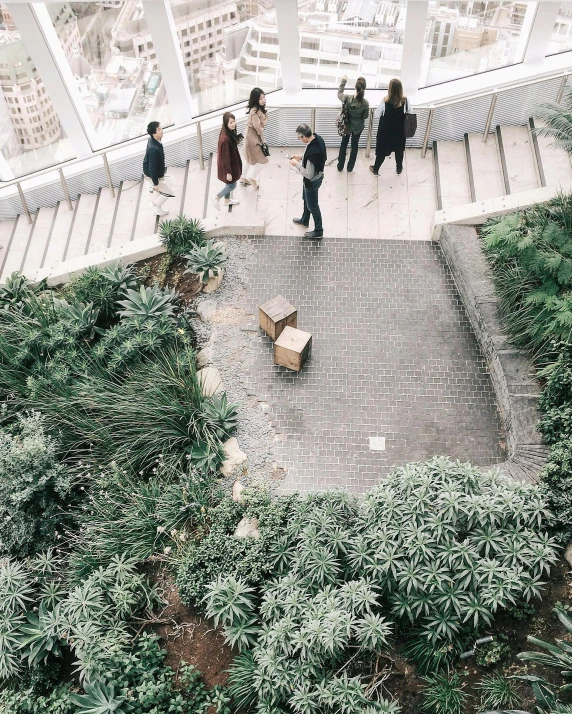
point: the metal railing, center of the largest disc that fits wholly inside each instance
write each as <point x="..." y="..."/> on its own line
<point x="431" y="109"/>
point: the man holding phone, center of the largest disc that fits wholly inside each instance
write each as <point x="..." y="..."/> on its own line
<point x="311" y="168"/>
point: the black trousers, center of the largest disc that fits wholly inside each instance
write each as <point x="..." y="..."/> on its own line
<point x="353" y="152"/>
<point x="398" y="160"/>
<point x="311" y="205"/>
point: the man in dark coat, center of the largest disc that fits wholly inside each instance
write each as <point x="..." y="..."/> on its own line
<point x="154" y="169"/>
<point x="311" y="167"/>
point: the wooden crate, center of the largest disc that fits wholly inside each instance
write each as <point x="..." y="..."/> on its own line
<point x="275" y="315"/>
<point x="292" y="348"/>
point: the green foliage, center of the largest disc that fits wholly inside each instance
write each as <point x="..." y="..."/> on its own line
<point x="443" y="694"/>
<point x="558" y="121"/>
<point x="28" y="700"/>
<point x="558" y="656"/>
<point x="17" y="292"/>
<point x="40" y="616"/>
<point x="493" y="652"/>
<point x="139" y="682"/>
<point x="439" y="547"/>
<point x="102" y="287"/>
<point x="223" y="416"/>
<point x="206" y="261"/>
<point x="104" y="420"/>
<point x="148" y="303"/>
<point x="219" y="552"/>
<point x="496" y="691"/>
<point x="531" y="257"/>
<point x="181" y="234"/>
<point x="34" y="488"/>
<point x="131" y="515"/>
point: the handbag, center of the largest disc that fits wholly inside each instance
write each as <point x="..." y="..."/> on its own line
<point x="265" y="149"/>
<point x="343" y="121"/>
<point x="410" y="123"/>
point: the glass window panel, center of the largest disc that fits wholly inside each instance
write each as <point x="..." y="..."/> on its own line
<point x="242" y="54"/>
<point x="353" y="37"/>
<point x="470" y="37"/>
<point x="561" y="38"/>
<point x="110" y="52"/>
<point x="31" y="136"/>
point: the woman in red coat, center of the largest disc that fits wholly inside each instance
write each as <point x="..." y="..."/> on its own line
<point x="229" y="163"/>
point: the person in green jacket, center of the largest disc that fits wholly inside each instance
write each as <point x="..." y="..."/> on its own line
<point x="358" y="110"/>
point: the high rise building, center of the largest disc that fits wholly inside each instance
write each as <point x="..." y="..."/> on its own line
<point x="33" y="120"/>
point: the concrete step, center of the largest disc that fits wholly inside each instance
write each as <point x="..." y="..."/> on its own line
<point x="39" y="240"/>
<point x="516" y="145"/>
<point x="82" y="225"/>
<point x="486" y="168"/>
<point x="18" y="246"/>
<point x="101" y="230"/>
<point x="130" y="194"/>
<point x="60" y="235"/>
<point x="453" y="175"/>
<point x="6" y="230"/>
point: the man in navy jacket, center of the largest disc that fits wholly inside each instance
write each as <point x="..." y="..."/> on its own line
<point x="154" y="168"/>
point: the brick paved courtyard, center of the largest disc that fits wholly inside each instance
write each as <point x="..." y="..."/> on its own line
<point x="393" y="356"/>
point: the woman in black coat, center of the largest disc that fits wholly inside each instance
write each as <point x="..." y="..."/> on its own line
<point x="391" y="129"/>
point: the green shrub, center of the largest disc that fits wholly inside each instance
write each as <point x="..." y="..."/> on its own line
<point x="206" y="261"/>
<point x="127" y="514"/>
<point x="556" y="479"/>
<point x="181" y="234"/>
<point x="531" y="257"/>
<point x="28" y="700"/>
<point x="218" y="552"/>
<point x="41" y="617"/>
<point x="18" y="292"/>
<point x="497" y="692"/>
<point x="439" y="547"/>
<point x="443" y="694"/>
<point x="558" y="121"/>
<point x="493" y="652"/>
<point x="148" y="303"/>
<point x="34" y="488"/>
<point x="102" y="287"/>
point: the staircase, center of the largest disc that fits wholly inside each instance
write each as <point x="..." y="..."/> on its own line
<point x="513" y="159"/>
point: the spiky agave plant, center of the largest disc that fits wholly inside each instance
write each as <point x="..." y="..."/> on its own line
<point x="206" y="261"/>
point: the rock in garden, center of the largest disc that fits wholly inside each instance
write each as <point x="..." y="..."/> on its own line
<point x="210" y="381"/>
<point x="204" y="357"/>
<point x="247" y="528"/>
<point x="234" y="456"/>
<point x="568" y="554"/>
<point x="206" y="309"/>
<point x="237" y="490"/>
<point x="213" y="283"/>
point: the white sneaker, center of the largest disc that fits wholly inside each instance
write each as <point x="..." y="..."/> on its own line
<point x="157" y="210"/>
<point x="232" y="202"/>
<point x="216" y="202"/>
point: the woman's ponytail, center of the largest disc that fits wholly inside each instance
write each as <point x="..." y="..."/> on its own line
<point x="360" y="88"/>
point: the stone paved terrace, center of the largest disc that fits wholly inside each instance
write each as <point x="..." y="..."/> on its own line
<point x="393" y="356"/>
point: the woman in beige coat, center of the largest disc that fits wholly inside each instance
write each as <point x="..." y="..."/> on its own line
<point x="255" y="124"/>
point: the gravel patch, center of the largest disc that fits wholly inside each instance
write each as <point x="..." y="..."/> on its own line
<point x="229" y="329"/>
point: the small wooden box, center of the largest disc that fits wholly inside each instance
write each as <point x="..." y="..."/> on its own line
<point x="275" y="315"/>
<point x="292" y="348"/>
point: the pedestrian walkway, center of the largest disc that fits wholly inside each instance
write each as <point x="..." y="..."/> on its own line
<point x="354" y="205"/>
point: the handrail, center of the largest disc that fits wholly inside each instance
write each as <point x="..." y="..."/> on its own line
<point x="218" y="113"/>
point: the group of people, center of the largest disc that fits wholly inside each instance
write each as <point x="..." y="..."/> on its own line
<point x="390" y="139"/>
